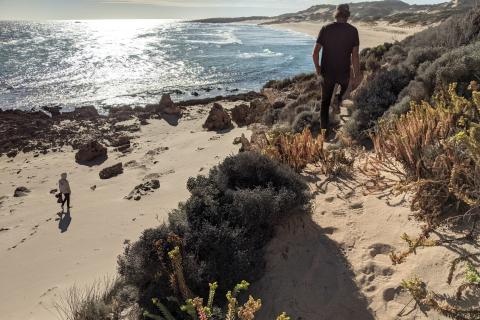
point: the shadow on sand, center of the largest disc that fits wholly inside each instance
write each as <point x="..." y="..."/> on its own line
<point x="96" y="162"/>
<point x="171" y="119"/>
<point x="308" y="277"/>
<point x="64" y="221"/>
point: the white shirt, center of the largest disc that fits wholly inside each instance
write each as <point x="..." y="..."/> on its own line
<point x="64" y="186"/>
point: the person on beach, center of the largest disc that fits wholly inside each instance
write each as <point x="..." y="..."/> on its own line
<point x="339" y="44"/>
<point x="64" y="188"/>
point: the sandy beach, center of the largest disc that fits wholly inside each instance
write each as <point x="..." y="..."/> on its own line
<point x="40" y="256"/>
<point x="370" y="35"/>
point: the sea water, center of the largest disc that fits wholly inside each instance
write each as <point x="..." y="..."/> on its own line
<point x="133" y="62"/>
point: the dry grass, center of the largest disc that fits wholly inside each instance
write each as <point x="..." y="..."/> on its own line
<point x="89" y="303"/>
<point x="294" y="150"/>
<point x="433" y="151"/>
<point x="297" y="150"/>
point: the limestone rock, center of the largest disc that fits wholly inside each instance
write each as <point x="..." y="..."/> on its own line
<point x="240" y="115"/>
<point x="112" y="171"/>
<point x="90" y="151"/>
<point x="21" y="192"/>
<point x="218" y="119"/>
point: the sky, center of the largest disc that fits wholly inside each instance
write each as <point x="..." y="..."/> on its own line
<point x="151" y="9"/>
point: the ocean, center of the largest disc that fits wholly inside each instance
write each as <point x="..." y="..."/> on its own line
<point x="108" y="63"/>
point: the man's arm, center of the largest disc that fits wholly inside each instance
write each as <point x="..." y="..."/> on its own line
<point x="356" y="65"/>
<point x="316" y="57"/>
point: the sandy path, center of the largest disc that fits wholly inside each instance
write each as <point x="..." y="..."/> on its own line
<point x="38" y="261"/>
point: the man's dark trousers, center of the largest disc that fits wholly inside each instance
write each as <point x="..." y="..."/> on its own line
<point x="328" y="85"/>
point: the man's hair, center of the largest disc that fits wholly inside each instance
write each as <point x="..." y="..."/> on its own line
<point x="342" y="11"/>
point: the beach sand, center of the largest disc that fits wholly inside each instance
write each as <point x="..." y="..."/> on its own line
<point x="370" y="35"/>
<point x="336" y="265"/>
<point x="38" y="261"/>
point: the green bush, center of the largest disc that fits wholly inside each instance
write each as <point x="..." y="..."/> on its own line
<point x="374" y="99"/>
<point x="307" y="119"/>
<point x="224" y="226"/>
<point x="457" y="31"/>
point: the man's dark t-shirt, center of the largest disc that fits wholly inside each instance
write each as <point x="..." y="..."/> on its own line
<point x="337" y="40"/>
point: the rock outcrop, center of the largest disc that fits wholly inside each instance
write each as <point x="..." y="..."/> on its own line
<point x="218" y="119"/>
<point x="122" y="144"/>
<point x="111" y="172"/>
<point x="90" y="151"/>
<point x="165" y="107"/>
<point x="240" y="114"/>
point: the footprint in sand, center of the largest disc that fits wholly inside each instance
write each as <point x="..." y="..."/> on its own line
<point x="48" y="291"/>
<point x="380" y="248"/>
<point x="370" y="273"/>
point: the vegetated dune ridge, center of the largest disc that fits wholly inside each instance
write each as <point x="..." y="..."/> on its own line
<point x="387" y="21"/>
<point x="390" y="11"/>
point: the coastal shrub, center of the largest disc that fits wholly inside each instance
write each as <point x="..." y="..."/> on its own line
<point x="460" y="66"/>
<point x="282" y="84"/>
<point x="437" y="152"/>
<point x="231" y="215"/>
<point x="417" y="56"/>
<point x="307" y="120"/>
<point x="459" y="30"/>
<point x="373" y="99"/>
<point x="143" y="267"/>
<point x="221" y="229"/>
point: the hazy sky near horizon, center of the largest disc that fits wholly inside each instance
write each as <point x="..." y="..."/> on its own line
<point x="161" y="9"/>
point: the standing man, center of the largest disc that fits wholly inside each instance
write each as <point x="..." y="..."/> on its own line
<point x="339" y="41"/>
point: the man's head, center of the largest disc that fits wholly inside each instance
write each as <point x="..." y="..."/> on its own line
<point x="63" y="176"/>
<point x="342" y="13"/>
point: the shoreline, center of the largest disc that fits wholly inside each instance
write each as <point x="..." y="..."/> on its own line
<point x="370" y="35"/>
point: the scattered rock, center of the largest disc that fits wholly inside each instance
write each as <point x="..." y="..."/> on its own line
<point x="240" y="115"/>
<point x="85" y="112"/>
<point x="53" y="191"/>
<point x="112" y="171"/>
<point x="90" y="151"/>
<point x="358" y="205"/>
<point x="21" y="192"/>
<point x="157" y="151"/>
<point x="237" y="140"/>
<point x="93" y="188"/>
<point x="143" y="189"/>
<point x="218" y="119"/>
<point x="246" y="145"/>
<point x="166" y="106"/>
<point x="132" y="164"/>
<point x="12" y="154"/>
<point x="259" y="139"/>
<point x="123" y="113"/>
<point x="121" y="141"/>
<point x="279" y="104"/>
<point x="4" y="229"/>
